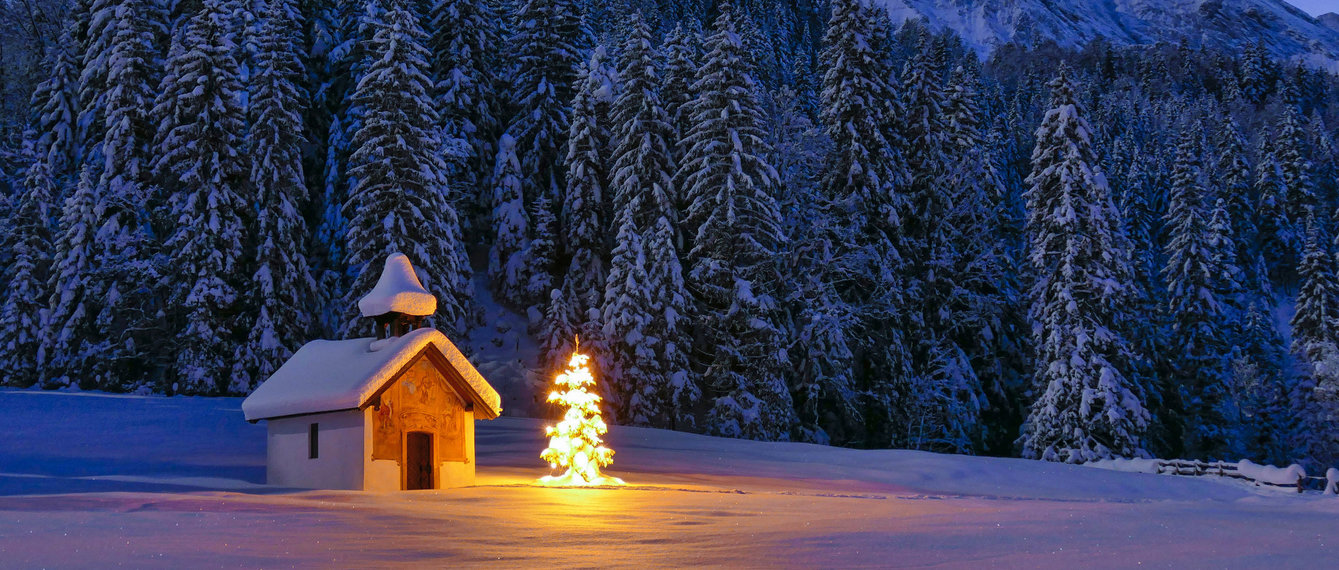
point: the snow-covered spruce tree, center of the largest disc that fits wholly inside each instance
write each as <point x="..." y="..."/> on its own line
<point x="827" y="402"/>
<point x="1289" y="148"/>
<point x="1257" y="74"/>
<point x="1286" y="195"/>
<point x="545" y="42"/>
<point x="1136" y="177"/>
<point x="70" y="322"/>
<point x="510" y="224"/>
<point x="583" y="219"/>
<point x="643" y="189"/>
<point x="399" y="198"/>
<point x="759" y="52"/>
<point x="541" y="255"/>
<point x="1316" y="395"/>
<point x="1199" y="343"/>
<point x="544" y="51"/>
<point x="56" y="103"/>
<point x="1266" y="416"/>
<point x="1318" y="298"/>
<point x="1233" y="176"/>
<point x="924" y="127"/>
<point x="464" y="43"/>
<point x="964" y="359"/>
<point x="94" y="23"/>
<point x="282" y="290"/>
<point x="731" y="265"/>
<point x="1086" y="408"/>
<point x="624" y="320"/>
<point x="678" y="388"/>
<point x="863" y="179"/>
<point x="1277" y="235"/>
<point x="122" y="269"/>
<point x="682" y="54"/>
<point x="1324" y="171"/>
<point x="1227" y="287"/>
<point x="336" y="58"/>
<point x="821" y="380"/>
<point x="200" y="164"/>
<point x="25" y="305"/>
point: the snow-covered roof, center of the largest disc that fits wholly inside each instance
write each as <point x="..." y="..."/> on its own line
<point x="398" y="291"/>
<point x="330" y="375"/>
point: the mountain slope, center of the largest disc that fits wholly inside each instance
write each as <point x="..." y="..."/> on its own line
<point x="1229" y="24"/>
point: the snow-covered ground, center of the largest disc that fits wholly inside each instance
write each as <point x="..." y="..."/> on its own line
<point x="100" y="480"/>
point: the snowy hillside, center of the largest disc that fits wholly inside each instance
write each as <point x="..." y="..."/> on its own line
<point x="148" y="481"/>
<point x="1331" y="20"/>
<point x="1287" y="31"/>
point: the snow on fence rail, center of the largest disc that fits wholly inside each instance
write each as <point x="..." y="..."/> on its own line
<point x="1290" y="477"/>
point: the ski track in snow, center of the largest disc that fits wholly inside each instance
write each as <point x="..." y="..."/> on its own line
<point x="177" y="482"/>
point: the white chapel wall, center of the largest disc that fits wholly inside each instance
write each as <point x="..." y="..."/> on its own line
<point x="339" y="464"/>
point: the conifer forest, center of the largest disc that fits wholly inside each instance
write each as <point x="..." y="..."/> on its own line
<point x="797" y="221"/>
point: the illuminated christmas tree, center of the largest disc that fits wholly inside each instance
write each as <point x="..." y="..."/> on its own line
<point x="575" y="444"/>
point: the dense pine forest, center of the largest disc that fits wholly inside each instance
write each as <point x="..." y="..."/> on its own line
<point x="769" y="220"/>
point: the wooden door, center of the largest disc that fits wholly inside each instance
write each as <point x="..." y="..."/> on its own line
<point x="418" y="460"/>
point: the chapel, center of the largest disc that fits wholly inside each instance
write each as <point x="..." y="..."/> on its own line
<point x="393" y="411"/>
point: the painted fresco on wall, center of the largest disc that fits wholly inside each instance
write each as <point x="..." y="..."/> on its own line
<point x="420" y="400"/>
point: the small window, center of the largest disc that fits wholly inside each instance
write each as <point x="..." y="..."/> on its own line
<point x="313" y="442"/>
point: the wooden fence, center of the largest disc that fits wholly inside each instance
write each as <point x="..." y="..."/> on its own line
<point x="1225" y="469"/>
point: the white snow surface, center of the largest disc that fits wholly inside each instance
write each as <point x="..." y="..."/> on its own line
<point x="1271" y="474"/>
<point x="1286" y="31"/>
<point x="1280" y="476"/>
<point x="398" y="290"/>
<point x="94" y="480"/>
<point x="329" y="375"/>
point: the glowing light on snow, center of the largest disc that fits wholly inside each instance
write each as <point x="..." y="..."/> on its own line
<point x="575" y="444"/>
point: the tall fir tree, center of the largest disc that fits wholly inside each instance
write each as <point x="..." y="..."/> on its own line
<point x="1199" y="256"/>
<point x="1266" y="412"/>
<point x="464" y="40"/>
<point x="1233" y="175"/>
<point x="95" y="24"/>
<point x="623" y="317"/>
<point x="1286" y="195"/>
<point x="644" y="191"/>
<point x="25" y="305"/>
<point x="924" y="130"/>
<point x="546" y="41"/>
<point x="280" y="301"/>
<point x="541" y="256"/>
<point x="199" y="163"/>
<point x="1315" y="397"/>
<point x="506" y="257"/>
<point x="583" y="219"/>
<point x="69" y="325"/>
<point x="731" y="264"/>
<point x="337" y="44"/>
<point x="399" y="199"/>
<point x="967" y="363"/>
<point x="863" y="179"/>
<point x="56" y="103"/>
<point x="1085" y="407"/>
<point x="1317" y="313"/>
<point x="682" y="56"/>
<point x="123" y="266"/>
